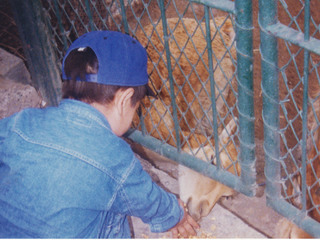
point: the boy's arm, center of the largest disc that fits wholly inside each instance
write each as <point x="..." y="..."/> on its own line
<point x="140" y="196"/>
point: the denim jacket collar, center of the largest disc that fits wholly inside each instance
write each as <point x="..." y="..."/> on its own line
<point x="86" y="111"/>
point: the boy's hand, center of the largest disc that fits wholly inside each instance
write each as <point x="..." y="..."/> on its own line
<point x="186" y="227"/>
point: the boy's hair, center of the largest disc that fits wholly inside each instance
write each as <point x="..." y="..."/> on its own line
<point x="78" y="65"/>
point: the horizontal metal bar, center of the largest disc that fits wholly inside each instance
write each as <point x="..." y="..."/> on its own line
<point x="286" y="33"/>
<point x="295" y="215"/>
<point x="224" y="5"/>
<point x="190" y="161"/>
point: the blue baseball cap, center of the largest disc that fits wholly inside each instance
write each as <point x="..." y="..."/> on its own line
<point x="122" y="59"/>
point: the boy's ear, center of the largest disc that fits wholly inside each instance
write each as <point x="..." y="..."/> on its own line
<point x="123" y="99"/>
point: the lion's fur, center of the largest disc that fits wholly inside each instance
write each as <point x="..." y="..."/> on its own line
<point x="192" y="93"/>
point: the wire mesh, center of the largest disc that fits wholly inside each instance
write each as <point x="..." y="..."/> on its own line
<point x="297" y="179"/>
<point x="204" y="120"/>
<point x="184" y="114"/>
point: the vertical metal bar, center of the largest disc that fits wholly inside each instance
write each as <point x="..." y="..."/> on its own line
<point x="212" y="85"/>
<point x="124" y="17"/>
<point x="305" y="105"/>
<point x="89" y="14"/>
<point x="65" y="42"/>
<point x="168" y="55"/>
<point x="244" y="30"/>
<point x="270" y="91"/>
<point x="141" y="120"/>
<point x="38" y="49"/>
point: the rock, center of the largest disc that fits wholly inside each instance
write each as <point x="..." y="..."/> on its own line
<point x="13" y="68"/>
<point x="16" y="92"/>
<point x="16" y="96"/>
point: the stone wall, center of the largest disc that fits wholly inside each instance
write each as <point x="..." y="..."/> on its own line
<point x="16" y="92"/>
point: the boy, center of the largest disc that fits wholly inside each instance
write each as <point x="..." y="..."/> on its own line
<point x="65" y="172"/>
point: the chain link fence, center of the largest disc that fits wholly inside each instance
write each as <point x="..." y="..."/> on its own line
<point x="201" y="124"/>
<point x="193" y="68"/>
<point x="290" y="86"/>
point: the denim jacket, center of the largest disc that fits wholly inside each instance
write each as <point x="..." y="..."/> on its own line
<point x="64" y="174"/>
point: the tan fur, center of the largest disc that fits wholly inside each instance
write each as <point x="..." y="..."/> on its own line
<point x="159" y="76"/>
<point x="287" y="229"/>
<point x="201" y="193"/>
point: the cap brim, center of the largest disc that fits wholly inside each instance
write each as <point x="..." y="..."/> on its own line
<point x="150" y="92"/>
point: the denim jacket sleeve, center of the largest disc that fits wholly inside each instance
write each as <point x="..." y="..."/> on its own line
<point x="143" y="198"/>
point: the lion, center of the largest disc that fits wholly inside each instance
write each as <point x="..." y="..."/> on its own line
<point x="193" y="98"/>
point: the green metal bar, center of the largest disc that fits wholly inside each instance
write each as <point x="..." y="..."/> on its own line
<point x="244" y="30"/>
<point x="224" y="5"/>
<point x="89" y="14"/>
<point x="62" y="30"/>
<point x="124" y="17"/>
<point x="295" y="215"/>
<point x="270" y="91"/>
<point x="141" y="120"/>
<point x="187" y="160"/>
<point x="38" y="49"/>
<point x="281" y="31"/>
<point x="212" y="86"/>
<point x="168" y="55"/>
<point x="305" y="106"/>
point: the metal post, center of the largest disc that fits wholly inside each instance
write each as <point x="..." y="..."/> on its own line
<point x="244" y="30"/>
<point x="170" y="76"/>
<point x="270" y="91"/>
<point x="305" y="106"/>
<point x="61" y="27"/>
<point x="89" y="14"/>
<point x="212" y="86"/>
<point x="124" y="16"/>
<point x="38" y="50"/>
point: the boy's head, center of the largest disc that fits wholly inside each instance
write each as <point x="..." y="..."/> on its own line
<point x="100" y="63"/>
